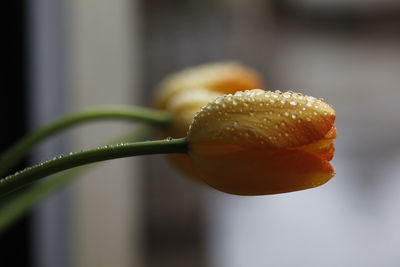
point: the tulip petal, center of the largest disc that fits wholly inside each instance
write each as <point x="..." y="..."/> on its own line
<point x="262" y="172"/>
<point x="184" y="164"/>
<point x="258" y="118"/>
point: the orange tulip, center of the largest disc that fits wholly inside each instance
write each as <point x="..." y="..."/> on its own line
<point x="222" y="78"/>
<point x="258" y="142"/>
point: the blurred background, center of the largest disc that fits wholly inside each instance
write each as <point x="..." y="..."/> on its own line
<point x="70" y="55"/>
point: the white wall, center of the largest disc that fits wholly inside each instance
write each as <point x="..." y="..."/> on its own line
<point x="105" y="70"/>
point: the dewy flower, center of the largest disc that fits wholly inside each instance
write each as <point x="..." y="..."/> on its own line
<point x="259" y="142"/>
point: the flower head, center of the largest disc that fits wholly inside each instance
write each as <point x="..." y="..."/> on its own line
<point x="221" y="78"/>
<point x="258" y="142"/>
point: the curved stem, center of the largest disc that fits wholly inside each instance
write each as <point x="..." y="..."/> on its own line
<point x="31" y="174"/>
<point x="10" y="157"/>
<point x="13" y="207"/>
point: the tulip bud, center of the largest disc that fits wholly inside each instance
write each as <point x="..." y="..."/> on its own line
<point x="258" y="142"/>
<point x="223" y="78"/>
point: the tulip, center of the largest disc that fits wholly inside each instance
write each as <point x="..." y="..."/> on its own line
<point x="258" y="142"/>
<point x="222" y="78"/>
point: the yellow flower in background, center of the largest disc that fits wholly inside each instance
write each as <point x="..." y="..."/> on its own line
<point x="184" y="106"/>
<point x="259" y="142"/>
<point x="222" y="78"/>
<point x="185" y="92"/>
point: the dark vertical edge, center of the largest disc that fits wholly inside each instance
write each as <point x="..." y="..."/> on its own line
<point x="15" y="242"/>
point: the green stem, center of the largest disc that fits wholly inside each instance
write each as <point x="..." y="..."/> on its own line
<point x="31" y="174"/>
<point x="14" y="206"/>
<point x="10" y="157"/>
